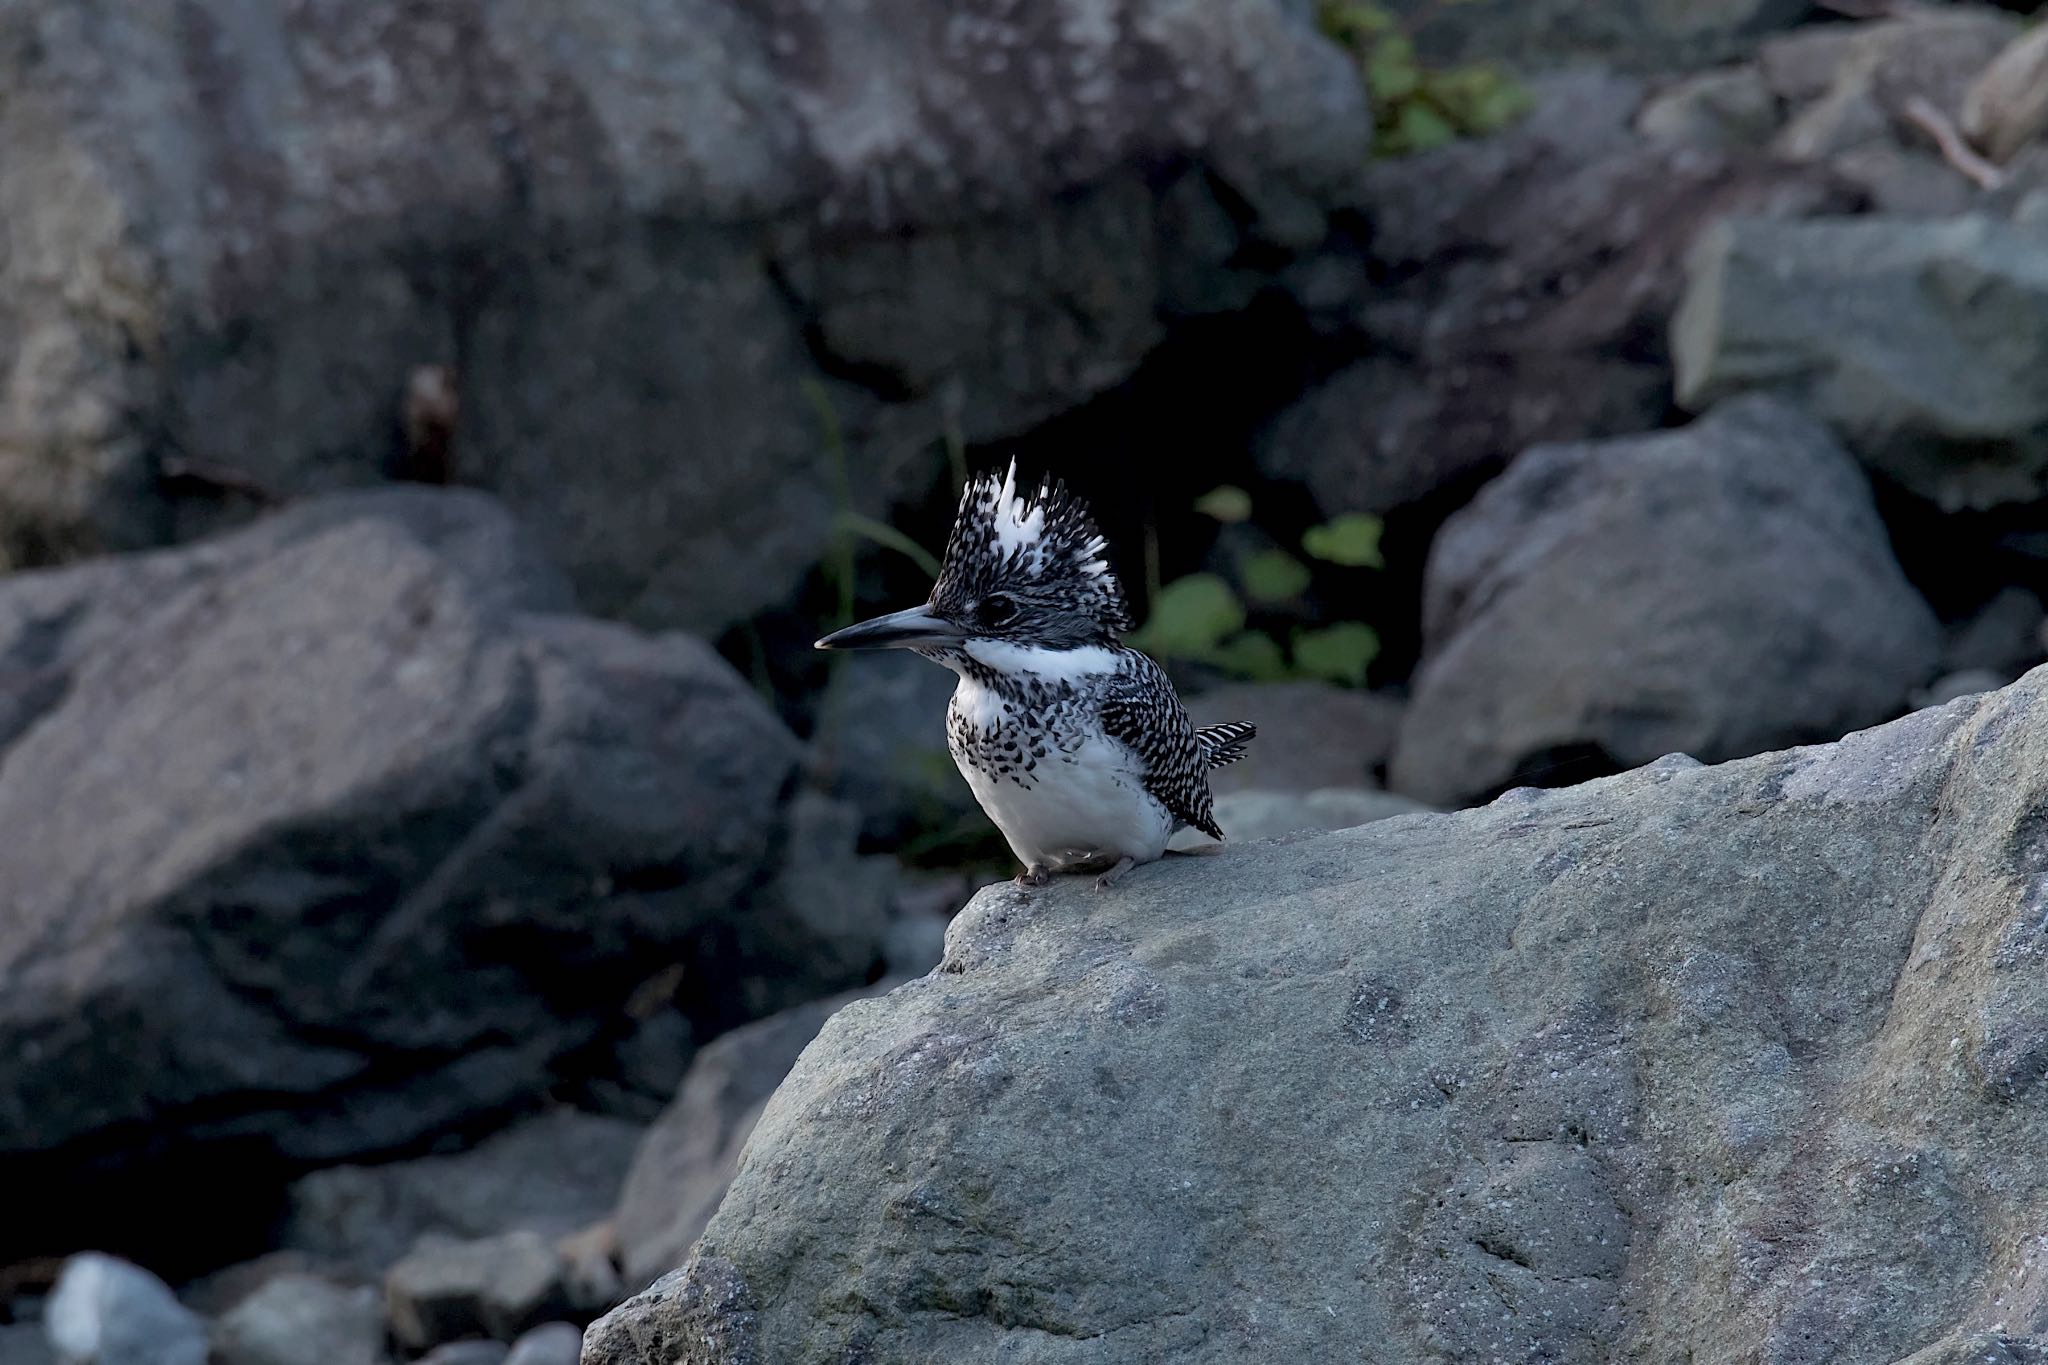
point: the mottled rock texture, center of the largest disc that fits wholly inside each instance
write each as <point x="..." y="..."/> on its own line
<point x="1721" y="1063"/>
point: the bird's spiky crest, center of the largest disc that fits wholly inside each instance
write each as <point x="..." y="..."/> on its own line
<point x="1044" y="548"/>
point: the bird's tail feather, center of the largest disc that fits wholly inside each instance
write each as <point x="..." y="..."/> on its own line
<point x="1225" y="743"/>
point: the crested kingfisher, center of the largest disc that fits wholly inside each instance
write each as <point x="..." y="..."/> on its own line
<point x="1074" y="743"/>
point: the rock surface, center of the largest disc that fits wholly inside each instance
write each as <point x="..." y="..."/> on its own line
<point x="444" y="1290"/>
<point x="1520" y="288"/>
<point x="1735" y="1063"/>
<point x="475" y="1351"/>
<point x="23" y="1343"/>
<point x="555" y="1175"/>
<point x="1311" y="734"/>
<point x="302" y="1320"/>
<point x="106" y="1311"/>
<point x="420" y="834"/>
<point x="1921" y="343"/>
<point x="688" y="1157"/>
<point x="551" y="1343"/>
<point x="2007" y="105"/>
<point x="1714" y="591"/>
<point x="652" y="239"/>
<point x="1657" y="34"/>
<point x="1248" y="815"/>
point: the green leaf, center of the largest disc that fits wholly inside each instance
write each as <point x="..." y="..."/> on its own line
<point x="1339" y="653"/>
<point x="1497" y="106"/>
<point x="1391" y="72"/>
<point x="1352" y="540"/>
<point x="1191" y="616"/>
<point x="1351" y="22"/>
<point x="1421" y="128"/>
<point x="1250" y="655"/>
<point x="1228" y="503"/>
<point x="1477" y="98"/>
<point x="1273" y="576"/>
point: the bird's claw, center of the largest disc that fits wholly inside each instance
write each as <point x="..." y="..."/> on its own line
<point x="1110" y="878"/>
<point x="1033" y="876"/>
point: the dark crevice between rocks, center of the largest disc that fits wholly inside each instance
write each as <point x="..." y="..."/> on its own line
<point x="1184" y="422"/>
<point x="210" y="1196"/>
<point x="149" y="1198"/>
<point x="1959" y="560"/>
<point x="1253" y="252"/>
<point x="1140" y="453"/>
<point x="1562" y="765"/>
<point x="213" y="1196"/>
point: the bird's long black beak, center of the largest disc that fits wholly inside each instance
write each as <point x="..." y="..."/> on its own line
<point x="897" y="630"/>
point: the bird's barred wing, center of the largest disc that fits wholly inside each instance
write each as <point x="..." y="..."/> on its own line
<point x="1141" y="712"/>
<point x="1225" y="743"/>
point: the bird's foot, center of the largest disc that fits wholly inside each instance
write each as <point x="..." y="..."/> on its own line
<point x="1034" y="875"/>
<point x="1111" y="877"/>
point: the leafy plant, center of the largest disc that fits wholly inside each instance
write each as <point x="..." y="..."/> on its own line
<point x="1273" y="576"/>
<point x="1417" y="107"/>
<point x="1225" y="503"/>
<point x="1352" y="540"/>
<point x="1202" y="619"/>
<point x="1190" y="617"/>
<point x="1338" y="654"/>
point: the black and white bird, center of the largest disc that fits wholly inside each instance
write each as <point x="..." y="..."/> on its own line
<point x="1074" y="744"/>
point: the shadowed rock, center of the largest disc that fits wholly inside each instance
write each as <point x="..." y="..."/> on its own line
<point x="1921" y="343"/>
<point x="332" y="835"/>
<point x="1713" y="591"/>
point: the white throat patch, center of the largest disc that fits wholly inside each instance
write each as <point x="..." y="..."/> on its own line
<point x="1053" y="665"/>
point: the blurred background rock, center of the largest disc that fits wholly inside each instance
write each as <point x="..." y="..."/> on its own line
<point x="411" y="894"/>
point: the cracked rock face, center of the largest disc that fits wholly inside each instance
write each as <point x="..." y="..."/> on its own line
<point x="421" y="833"/>
<point x="651" y="238"/>
<point x="1716" y="1063"/>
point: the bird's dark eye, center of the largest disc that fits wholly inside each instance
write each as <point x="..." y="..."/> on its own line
<point x="998" y="609"/>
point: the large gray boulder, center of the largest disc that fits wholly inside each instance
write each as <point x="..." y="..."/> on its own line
<point x="1921" y="343"/>
<point x="1730" y="1063"/>
<point x="333" y="833"/>
<point x="1714" y="590"/>
<point x="654" y="241"/>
